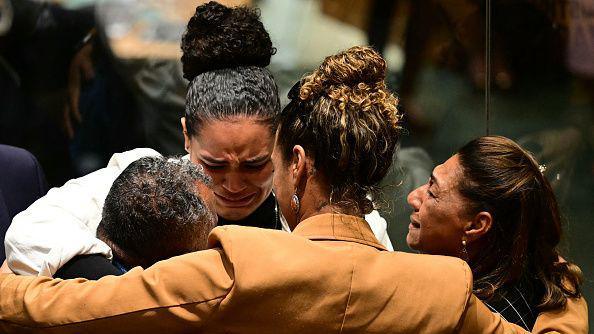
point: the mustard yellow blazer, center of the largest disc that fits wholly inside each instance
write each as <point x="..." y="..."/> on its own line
<point x="329" y="276"/>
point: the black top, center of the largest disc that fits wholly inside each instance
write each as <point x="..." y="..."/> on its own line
<point x="96" y="266"/>
<point x="92" y="266"/>
<point x="265" y="216"/>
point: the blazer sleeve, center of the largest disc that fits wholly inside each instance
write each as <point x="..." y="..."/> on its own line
<point x="477" y="318"/>
<point x="63" y="223"/>
<point x="571" y="319"/>
<point x="179" y="295"/>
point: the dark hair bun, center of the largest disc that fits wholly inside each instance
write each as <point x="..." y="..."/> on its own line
<point x="220" y="37"/>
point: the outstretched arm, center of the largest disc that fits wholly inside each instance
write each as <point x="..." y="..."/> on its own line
<point x="479" y="319"/>
<point x="573" y="319"/>
<point x="175" y="296"/>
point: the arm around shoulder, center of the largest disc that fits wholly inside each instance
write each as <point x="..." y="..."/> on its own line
<point x="63" y="223"/>
<point x="477" y="318"/>
<point x="573" y="318"/>
<point x="173" y="296"/>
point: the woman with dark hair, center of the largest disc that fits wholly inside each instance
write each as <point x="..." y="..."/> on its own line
<point x="334" y="144"/>
<point x="230" y="119"/>
<point x="491" y="205"/>
<point x="231" y="108"/>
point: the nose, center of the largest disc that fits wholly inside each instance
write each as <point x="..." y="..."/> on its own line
<point x="233" y="183"/>
<point x="415" y="198"/>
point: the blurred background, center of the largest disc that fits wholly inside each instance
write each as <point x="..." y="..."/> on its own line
<point x="83" y="79"/>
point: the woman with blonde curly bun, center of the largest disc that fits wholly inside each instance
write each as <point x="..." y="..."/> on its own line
<point x="345" y="122"/>
<point x="334" y="143"/>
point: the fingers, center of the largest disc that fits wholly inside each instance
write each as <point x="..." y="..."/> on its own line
<point x="5" y="269"/>
<point x="67" y="122"/>
<point x="71" y="110"/>
<point x="73" y="101"/>
<point x="87" y="68"/>
<point x="74" y="82"/>
<point x="81" y="68"/>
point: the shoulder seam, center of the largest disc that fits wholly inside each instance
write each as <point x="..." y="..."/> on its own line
<point x="346" y="309"/>
<point x="468" y="294"/>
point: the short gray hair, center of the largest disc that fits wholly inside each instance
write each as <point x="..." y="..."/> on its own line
<point x="154" y="210"/>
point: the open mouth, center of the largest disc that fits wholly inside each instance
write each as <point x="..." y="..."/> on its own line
<point x="413" y="224"/>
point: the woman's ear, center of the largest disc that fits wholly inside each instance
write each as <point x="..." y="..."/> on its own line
<point x="186" y="137"/>
<point x="299" y="167"/>
<point x="479" y="226"/>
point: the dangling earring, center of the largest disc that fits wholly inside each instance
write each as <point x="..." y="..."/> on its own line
<point x="295" y="204"/>
<point x="464" y="251"/>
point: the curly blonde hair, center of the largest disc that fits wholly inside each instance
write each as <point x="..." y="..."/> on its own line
<point x="348" y="121"/>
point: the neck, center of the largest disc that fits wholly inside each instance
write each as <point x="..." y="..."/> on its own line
<point x="118" y="253"/>
<point x="316" y="199"/>
<point x="322" y="207"/>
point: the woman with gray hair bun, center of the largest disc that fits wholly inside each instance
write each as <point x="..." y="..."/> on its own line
<point x="229" y="125"/>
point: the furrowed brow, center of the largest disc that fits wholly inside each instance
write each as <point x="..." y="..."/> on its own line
<point x="211" y="160"/>
<point x="259" y="159"/>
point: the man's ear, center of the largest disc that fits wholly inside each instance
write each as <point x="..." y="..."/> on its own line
<point x="479" y="226"/>
<point x="299" y="168"/>
<point x="185" y="132"/>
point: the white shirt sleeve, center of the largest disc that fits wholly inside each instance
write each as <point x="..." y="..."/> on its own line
<point x="63" y="223"/>
<point x="379" y="226"/>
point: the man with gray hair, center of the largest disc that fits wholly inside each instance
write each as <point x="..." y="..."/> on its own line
<point x="157" y="208"/>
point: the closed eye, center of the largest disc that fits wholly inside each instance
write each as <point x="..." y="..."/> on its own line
<point x="210" y="166"/>
<point x="429" y="192"/>
<point x="256" y="166"/>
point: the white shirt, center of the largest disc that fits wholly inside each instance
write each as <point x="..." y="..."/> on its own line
<point x="63" y="223"/>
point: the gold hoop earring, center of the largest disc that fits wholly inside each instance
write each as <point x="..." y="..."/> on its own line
<point x="464" y="251"/>
<point x="295" y="204"/>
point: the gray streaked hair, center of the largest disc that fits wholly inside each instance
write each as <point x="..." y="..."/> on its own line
<point x="154" y="211"/>
<point x="227" y="93"/>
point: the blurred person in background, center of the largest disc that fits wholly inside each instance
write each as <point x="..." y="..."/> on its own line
<point x="22" y="182"/>
<point x="37" y="41"/>
<point x="126" y="86"/>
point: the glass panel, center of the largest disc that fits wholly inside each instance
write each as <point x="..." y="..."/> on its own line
<point x="546" y="49"/>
